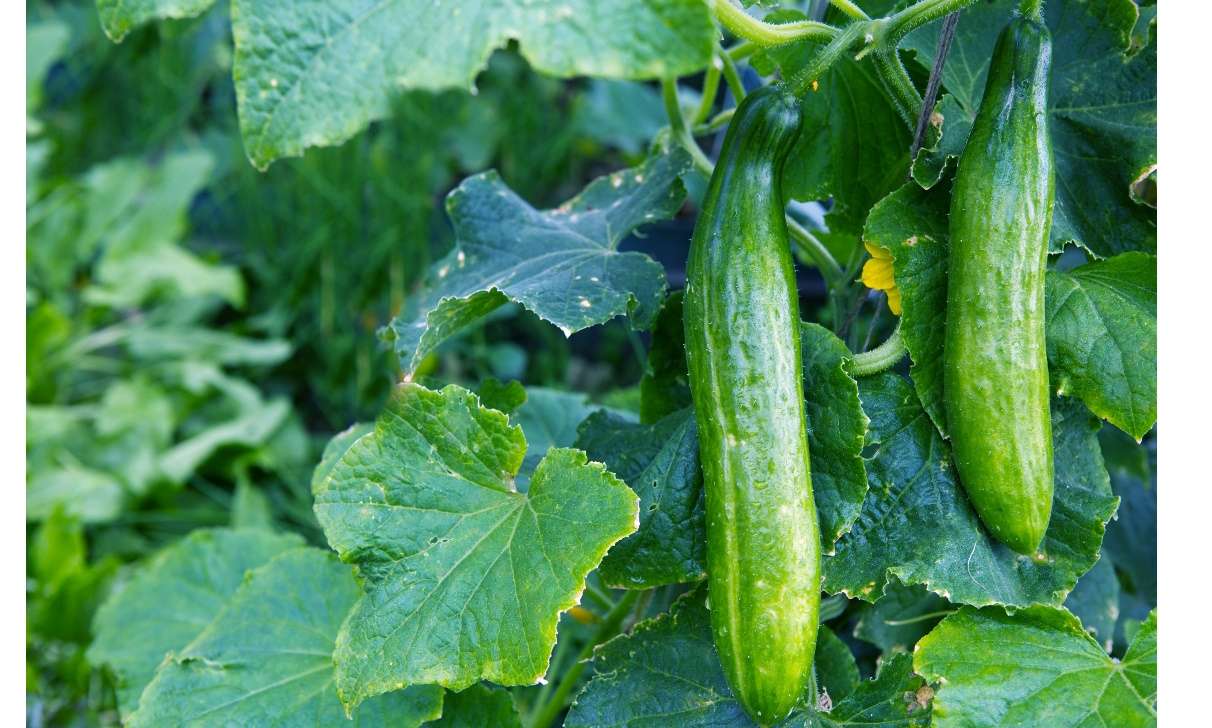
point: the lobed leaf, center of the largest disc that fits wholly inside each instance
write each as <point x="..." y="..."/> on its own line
<point x="549" y="418"/>
<point x="313" y="73"/>
<point x="1102" y="338"/>
<point x="1036" y="667"/>
<point x="266" y="659"/>
<point x="660" y="462"/>
<point x="918" y="526"/>
<point x="563" y="264"/>
<point x="169" y="601"/>
<point x="444" y="546"/>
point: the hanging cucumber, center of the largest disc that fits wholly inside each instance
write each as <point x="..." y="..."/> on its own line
<point x="996" y="369"/>
<point x="742" y="323"/>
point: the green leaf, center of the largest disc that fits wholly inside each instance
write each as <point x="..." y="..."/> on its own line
<point x="1102" y="115"/>
<point x="1095" y="601"/>
<point x="660" y="462"/>
<point x="316" y="73"/>
<point x="563" y="265"/>
<point x="171" y="599"/>
<point x="854" y="147"/>
<point x="426" y="510"/>
<point x="505" y="398"/>
<point x="901" y="617"/>
<point x="625" y="115"/>
<point x="1036" y="668"/>
<point x="90" y="495"/>
<point x="666" y="389"/>
<point x="836" y="429"/>
<point x="119" y="17"/>
<point x="837" y="673"/>
<point x="549" y="418"/>
<point x="918" y="526"/>
<point x="1131" y="541"/>
<point x="912" y="224"/>
<point x="1102" y="338"/>
<point x="667" y="673"/>
<point x="335" y="449"/>
<point x="478" y="707"/>
<point x="45" y="43"/>
<point x="266" y="659"/>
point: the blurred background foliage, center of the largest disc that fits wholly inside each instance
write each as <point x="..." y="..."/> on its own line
<point x="197" y="330"/>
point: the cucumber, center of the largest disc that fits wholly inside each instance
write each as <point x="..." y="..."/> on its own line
<point x="995" y="381"/>
<point x="742" y="322"/>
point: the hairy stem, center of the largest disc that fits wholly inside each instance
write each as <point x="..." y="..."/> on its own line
<point x="880" y="358"/>
<point x="851" y="10"/>
<point x="809" y="247"/>
<point x="896" y="80"/>
<point x="1032" y="9"/>
<point x="733" y="77"/>
<point x="610" y="626"/>
<point x="915" y="16"/>
<point x="802" y="82"/>
<point x="743" y="25"/>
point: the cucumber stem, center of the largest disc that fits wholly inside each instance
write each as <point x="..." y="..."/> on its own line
<point x="1033" y="9"/>
<point x="745" y="26"/>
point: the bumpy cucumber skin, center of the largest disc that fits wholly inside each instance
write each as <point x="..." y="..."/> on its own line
<point x="741" y="313"/>
<point x="996" y="367"/>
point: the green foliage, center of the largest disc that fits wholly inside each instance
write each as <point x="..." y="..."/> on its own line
<point x="1037" y="667"/>
<point x="426" y="511"/>
<point x="1103" y="116"/>
<point x="507" y="250"/>
<point x="197" y="329"/>
<point x="299" y="89"/>
<point x="1102" y="336"/>
<point x="666" y="672"/>
<point x="917" y="525"/>
<point x="166" y="605"/>
<point x="265" y="659"/>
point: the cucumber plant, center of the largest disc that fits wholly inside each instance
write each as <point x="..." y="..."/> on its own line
<point x="860" y="470"/>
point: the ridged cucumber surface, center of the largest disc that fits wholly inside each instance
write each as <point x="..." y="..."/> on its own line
<point x="996" y="369"/>
<point x="742" y="322"/>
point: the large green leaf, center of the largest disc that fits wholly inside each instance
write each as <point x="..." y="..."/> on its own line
<point x="172" y="599"/>
<point x="314" y="73"/>
<point x="1102" y="115"/>
<point x="912" y="224"/>
<point x="836" y="429"/>
<point x="1102" y="338"/>
<point x="335" y="449"/>
<point x="563" y="264"/>
<point x="660" y="462"/>
<point x="666" y="673"/>
<point x="464" y="577"/>
<point x="901" y="617"/>
<point x="119" y="17"/>
<point x="1095" y="601"/>
<point x="1036" y="668"/>
<point x="854" y="147"/>
<point x="266" y="659"/>
<point x="918" y="526"/>
<point x="478" y="707"/>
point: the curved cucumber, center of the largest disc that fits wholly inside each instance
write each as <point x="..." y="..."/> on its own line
<point x="742" y="321"/>
<point x="996" y="369"/>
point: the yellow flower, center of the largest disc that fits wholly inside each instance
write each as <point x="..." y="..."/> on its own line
<point x="877" y="274"/>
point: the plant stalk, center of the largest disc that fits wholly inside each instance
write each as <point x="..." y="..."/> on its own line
<point x="745" y="26"/>
<point x="880" y="358"/>
<point x="610" y="626"/>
